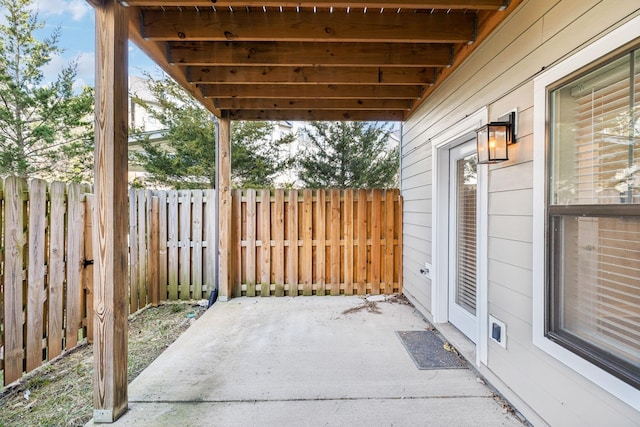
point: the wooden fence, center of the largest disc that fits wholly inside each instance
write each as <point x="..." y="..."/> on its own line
<point x="295" y="242"/>
<point x="170" y="246"/>
<point x="45" y="279"/>
<point x="316" y="242"/>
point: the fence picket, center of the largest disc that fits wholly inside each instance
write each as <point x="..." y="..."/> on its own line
<point x="375" y="242"/>
<point x="265" y="239"/>
<point x="184" y="267"/>
<point x="361" y="266"/>
<point x="307" y="243"/>
<point x="56" y="271"/>
<point x="75" y="263"/>
<point x="196" y="238"/>
<point x="133" y="251"/>
<point x="335" y="242"/>
<point x="14" y="241"/>
<point x="236" y="229"/>
<point x="250" y="254"/>
<point x="162" y="244"/>
<point x="36" y="272"/>
<point x="278" y="237"/>
<point x="209" y="252"/>
<point x="293" y="242"/>
<point x="348" y="241"/>
<point x="388" y="237"/>
<point x="142" y="249"/>
<point x="89" y="216"/>
<point x="172" y="244"/>
<point x="321" y="242"/>
<point x="154" y="229"/>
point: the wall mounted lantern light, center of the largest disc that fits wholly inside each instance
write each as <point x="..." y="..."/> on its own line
<point x="494" y="138"/>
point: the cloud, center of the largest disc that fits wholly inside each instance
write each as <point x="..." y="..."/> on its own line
<point x="77" y="9"/>
<point x="86" y="68"/>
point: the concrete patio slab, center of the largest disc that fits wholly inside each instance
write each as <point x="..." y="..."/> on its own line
<point x="304" y="361"/>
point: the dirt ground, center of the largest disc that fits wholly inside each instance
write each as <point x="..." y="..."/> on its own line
<point x="61" y="393"/>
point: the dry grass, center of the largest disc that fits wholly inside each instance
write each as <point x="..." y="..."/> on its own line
<point x="61" y="393"/>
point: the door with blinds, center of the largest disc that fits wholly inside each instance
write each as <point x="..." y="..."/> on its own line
<point x="463" y="208"/>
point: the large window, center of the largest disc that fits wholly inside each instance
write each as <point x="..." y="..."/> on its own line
<point x="593" y="216"/>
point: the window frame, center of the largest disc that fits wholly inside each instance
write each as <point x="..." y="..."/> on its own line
<point x="598" y="52"/>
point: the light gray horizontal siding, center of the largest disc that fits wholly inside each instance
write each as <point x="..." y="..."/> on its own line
<point x="499" y="75"/>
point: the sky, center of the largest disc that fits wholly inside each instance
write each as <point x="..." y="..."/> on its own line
<point x="76" y="18"/>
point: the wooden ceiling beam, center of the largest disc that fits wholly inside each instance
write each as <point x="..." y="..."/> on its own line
<point x="156" y="52"/>
<point x="312" y="75"/>
<point x="314" y="104"/>
<point x="309" y="54"/>
<point x="267" y="91"/>
<point x="225" y="25"/>
<point x="390" y="4"/>
<point x="319" y="115"/>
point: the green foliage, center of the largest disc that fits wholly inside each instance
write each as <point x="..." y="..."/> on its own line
<point x="348" y="155"/>
<point x="186" y="156"/>
<point x="45" y="128"/>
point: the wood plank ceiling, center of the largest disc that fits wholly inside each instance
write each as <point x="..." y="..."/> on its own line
<point x="318" y="60"/>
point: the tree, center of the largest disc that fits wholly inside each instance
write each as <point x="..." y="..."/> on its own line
<point x="348" y="155"/>
<point x="45" y="127"/>
<point x="186" y="158"/>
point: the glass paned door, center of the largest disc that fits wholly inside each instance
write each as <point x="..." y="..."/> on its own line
<point x="463" y="195"/>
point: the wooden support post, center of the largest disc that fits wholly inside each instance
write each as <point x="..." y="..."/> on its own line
<point x="110" y="244"/>
<point x="223" y="182"/>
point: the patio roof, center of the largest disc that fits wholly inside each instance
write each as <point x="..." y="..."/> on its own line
<point x="266" y="60"/>
<point x="312" y="60"/>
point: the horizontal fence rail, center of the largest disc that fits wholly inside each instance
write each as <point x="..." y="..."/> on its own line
<point x="284" y="242"/>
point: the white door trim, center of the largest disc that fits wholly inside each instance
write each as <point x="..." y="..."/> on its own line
<point x="440" y="226"/>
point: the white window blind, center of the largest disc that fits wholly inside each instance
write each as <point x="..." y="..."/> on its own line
<point x="594" y="216"/>
<point x="466" y="242"/>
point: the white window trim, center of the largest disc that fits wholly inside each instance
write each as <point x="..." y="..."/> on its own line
<point x="441" y="144"/>
<point x="617" y="38"/>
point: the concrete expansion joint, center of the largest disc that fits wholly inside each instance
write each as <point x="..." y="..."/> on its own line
<point x="315" y="399"/>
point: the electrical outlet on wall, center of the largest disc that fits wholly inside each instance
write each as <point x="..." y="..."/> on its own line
<point x="426" y="270"/>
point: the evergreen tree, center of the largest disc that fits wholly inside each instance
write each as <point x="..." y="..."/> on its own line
<point x="348" y="155"/>
<point x="186" y="158"/>
<point x="45" y="128"/>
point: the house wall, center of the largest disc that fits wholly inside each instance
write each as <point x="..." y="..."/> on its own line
<point x="499" y="76"/>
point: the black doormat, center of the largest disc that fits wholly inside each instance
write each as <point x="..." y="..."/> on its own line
<point x="426" y="349"/>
